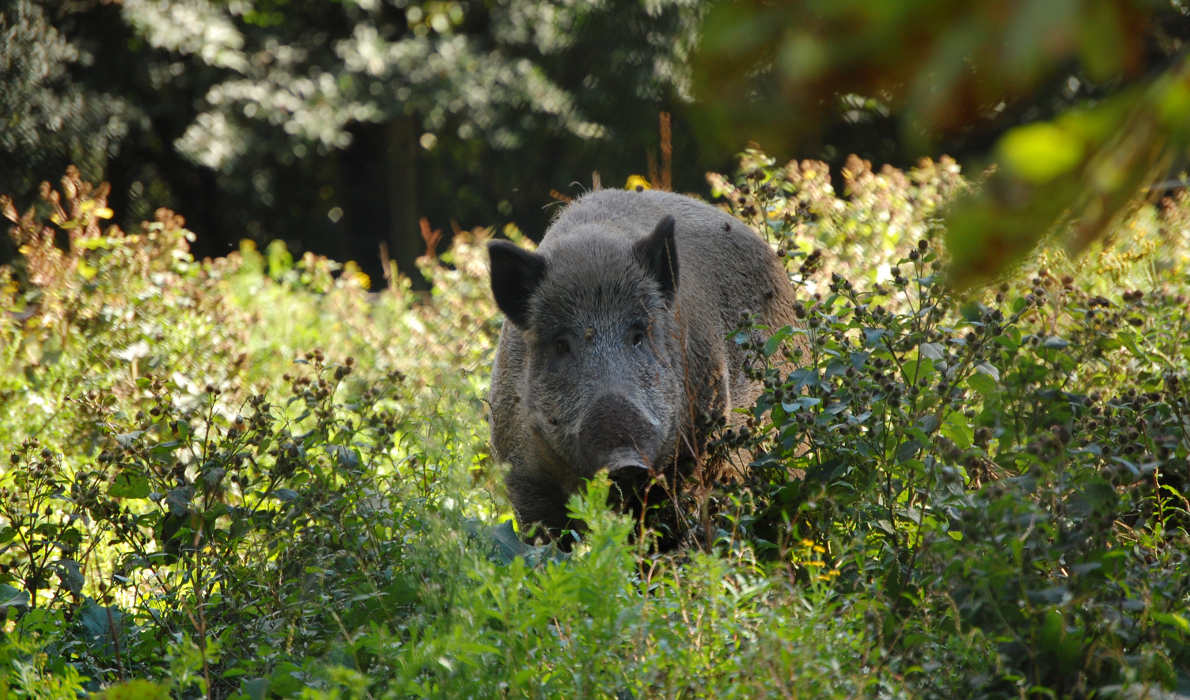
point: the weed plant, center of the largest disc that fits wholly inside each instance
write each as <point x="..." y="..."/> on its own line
<point x="251" y="477"/>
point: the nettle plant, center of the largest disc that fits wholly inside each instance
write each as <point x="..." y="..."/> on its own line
<point x="1016" y="462"/>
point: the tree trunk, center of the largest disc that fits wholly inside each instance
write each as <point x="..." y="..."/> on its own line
<point x="404" y="235"/>
<point x="379" y="176"/>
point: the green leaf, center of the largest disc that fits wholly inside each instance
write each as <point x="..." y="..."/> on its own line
<point x="801" y="402"/>
<point x="178" y="500"/>
<point x="1040" y="152"/>
<point x="872" y="336"/>
<point x="129" y="484"/>
<point x="163" y="451"/>
<point x="1053" y="595"/>
<point x="776" y="339"/>
<point x="982" y="383"/>
<point x="285" y="680"/>
<point x="137" y="689"/>
<point x="96" y="620"/>
<point x="927" y="424"/>
<point x="12" y="598"/>
<point x="255" y="688"/>
<point x="508" y="544"/>
<point x="988" y="370"/>
<point x="958" y="430"/>
<point x="933" y="351"/>
<point x="280" y="259"/>
<point x="1175" y="620"/>
<point x="70" y="574"/>
<point x="85" y="271"/>
<point x="907" y="449"/>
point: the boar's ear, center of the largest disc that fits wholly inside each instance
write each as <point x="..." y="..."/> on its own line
<point x="516" y="273"/>
<point x="659" y="256"/>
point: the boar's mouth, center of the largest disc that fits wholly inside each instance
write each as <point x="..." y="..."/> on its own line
<point x="625" y="461"/>
<point x="629" y="473"/>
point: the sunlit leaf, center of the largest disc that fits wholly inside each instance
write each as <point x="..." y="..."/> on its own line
<point x="1178" y="622"/>
<point x="1040" y="152"/>
<point x="958" y="430"/>
<point x="86" y="271"/>
<point x="129" y="484"/>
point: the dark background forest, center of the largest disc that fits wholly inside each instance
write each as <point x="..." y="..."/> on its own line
<point x="337" y="126"/>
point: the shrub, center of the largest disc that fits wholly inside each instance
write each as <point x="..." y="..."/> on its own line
<point x="185" y="463"/>
<point x="249" y="476"/>
<point x="991" y="464"/>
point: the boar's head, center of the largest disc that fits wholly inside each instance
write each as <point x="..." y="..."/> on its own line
<point x="602" y="382"/>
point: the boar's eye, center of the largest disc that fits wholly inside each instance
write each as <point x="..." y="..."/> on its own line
<point x="561" y="346"/>
<point x="636" y="335"/>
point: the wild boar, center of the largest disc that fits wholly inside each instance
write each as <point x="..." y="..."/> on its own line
<point x="616" y="351"/>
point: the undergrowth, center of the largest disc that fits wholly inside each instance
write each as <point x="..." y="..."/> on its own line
<point x="251" y="477"/>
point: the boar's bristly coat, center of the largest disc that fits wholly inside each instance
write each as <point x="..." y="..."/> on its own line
<point x="617" y="340"/>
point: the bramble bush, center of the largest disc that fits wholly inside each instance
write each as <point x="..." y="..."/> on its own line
<point x="1011" y="466"/>
<point x="250" y="477"/>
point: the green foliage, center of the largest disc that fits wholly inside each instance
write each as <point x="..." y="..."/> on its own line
<point x="455" y="65"/>
<point x="991" y="463"/>
<point x="1080" y="153"/>
<point x="161" y="443"/>
<point x="48" y="118"/>
<point x="341" y="124"/>
<point x="1077" y="174"/>
<point x="248" y="476"/>
<point x="337" y="126"/>
<point x="919" y="56"/>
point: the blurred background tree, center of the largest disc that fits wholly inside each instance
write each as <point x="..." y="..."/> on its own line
<point x="369" y="115"/>
<point x="1079" y="104"/>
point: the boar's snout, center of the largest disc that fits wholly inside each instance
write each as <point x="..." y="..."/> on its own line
<point x="617" y="435"/>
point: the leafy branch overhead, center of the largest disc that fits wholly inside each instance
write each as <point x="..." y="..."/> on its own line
<point x="1090" y="99"/>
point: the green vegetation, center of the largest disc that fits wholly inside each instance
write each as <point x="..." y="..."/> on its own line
<point x="339" y="125"/>
<point x="249" y="476"/>
<point x="1087" y="100"/>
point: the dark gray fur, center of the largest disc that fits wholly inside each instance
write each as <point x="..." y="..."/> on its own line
<point x="616" y="342"/>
